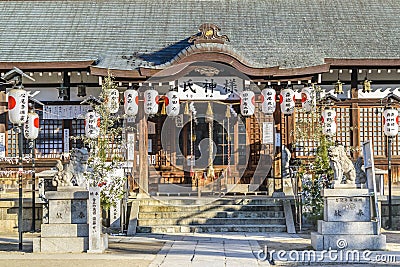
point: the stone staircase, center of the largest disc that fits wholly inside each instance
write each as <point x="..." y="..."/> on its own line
<point x="202" y="215"/>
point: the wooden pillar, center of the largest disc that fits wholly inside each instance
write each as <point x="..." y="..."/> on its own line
<point x="143" y="153"/>
<point x="355" y="116"/>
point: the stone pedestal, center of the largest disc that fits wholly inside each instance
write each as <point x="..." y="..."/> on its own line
<point x="347" y="222"/>
<point x="67" y="229"/>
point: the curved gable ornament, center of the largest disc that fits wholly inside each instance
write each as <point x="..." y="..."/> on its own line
<point x="209" y="33"/>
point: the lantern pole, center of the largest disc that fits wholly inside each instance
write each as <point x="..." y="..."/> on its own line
<point x="389" y="142"/>
<point x="20" y="201"/>
<point x="33" y="144"/>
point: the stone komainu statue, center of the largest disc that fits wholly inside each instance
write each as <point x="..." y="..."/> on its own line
<point x="361" y="176"/>
<point x="72" y="173"/>
<point x="341" y="165"/>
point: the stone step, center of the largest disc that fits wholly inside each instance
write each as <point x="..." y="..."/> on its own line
<point x="210" y="228"/>
<point x="210" y="201"/>
<point x="211" y="214"/>
<point x="213" y="221"/>
<point x="255" y="208"/>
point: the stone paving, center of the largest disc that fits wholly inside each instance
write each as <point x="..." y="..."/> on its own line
<point x="186" y="249"/>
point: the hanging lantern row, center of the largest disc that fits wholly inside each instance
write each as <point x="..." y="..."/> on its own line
<point x="391" y="121"/>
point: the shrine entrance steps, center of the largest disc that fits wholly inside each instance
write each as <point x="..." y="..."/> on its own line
<point x="204" y="215"/>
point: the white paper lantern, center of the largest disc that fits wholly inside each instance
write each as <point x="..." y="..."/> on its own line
<point x="308" y="99"/>
<point x="113" y="100"/>
<point x="151" y="101"/>
<point x="31" y="126"/>
<point x="287" y="101"/>
<point x="92" y="125"/>
<point x="172" y="103"/>
<point x="328" y="118"/>
<point x="17" y="106"/>
<point x="247" y="103"/>
<point x="391" y="122"/>
<point x="268" y="100"/>
<point x="131" y="102"/>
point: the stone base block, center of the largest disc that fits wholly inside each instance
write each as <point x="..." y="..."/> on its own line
<point x="64" y="244"/>
<point x="347" y="228"/>
<point x="36" y="244"/>
<point x="65" y="230"/>
<point x="361" y="242"/>
<point x="103" y="245"/>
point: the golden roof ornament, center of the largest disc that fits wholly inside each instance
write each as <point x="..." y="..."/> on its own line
<point x="209" y="33"/>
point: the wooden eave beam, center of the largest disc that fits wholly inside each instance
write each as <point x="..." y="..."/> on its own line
<point x="47" y="65"/>
<point x="116" y="73"/>
<point x="362" y="63"/>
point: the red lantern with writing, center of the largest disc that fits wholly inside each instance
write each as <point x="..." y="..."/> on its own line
<point x="113" y="100"/>
<point x="17" y="106"/>
<point x="92" y="125"/>
<point x="31" y="126"/>
<point x="172" y="103"/>
<point x="308" y="102"/>
<point x="131" y="102"/>
<point x="328" y="118"/>
<point x="268" y="100"/>
<point x="391" y="122"/>
<point x="151" y="101"/>
<point x="247" y="103"/>
<point x="287" y="101"/>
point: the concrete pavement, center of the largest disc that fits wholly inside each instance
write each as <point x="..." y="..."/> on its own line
<point x="189" y="249"/>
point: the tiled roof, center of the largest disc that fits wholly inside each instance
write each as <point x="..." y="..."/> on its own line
<point x="125" y="34"/>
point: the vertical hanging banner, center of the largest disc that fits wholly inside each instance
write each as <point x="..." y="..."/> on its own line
<point x="95" y="244"/>
<point x="66" y="140"/>
<point x="391" y="122"/>
<point x="130" y="156"/>
<point x="267" y="132"/>
<point x="268" y="100"/>
<point x="287" y="101"/>
<point x="328" y="119"/>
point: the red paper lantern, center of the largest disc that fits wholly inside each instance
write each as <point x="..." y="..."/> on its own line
<point x="31" y="126"/>
<point x="131" y="102"/>
<point x="17" y="106"/>
<point x="391" y="122"/>
<point x="247" y="103"/>
<point x="287" y="101"/>
<point x="151" y="102"/>
<point x="172" y="103"/>
<point x="268" y="100"/>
